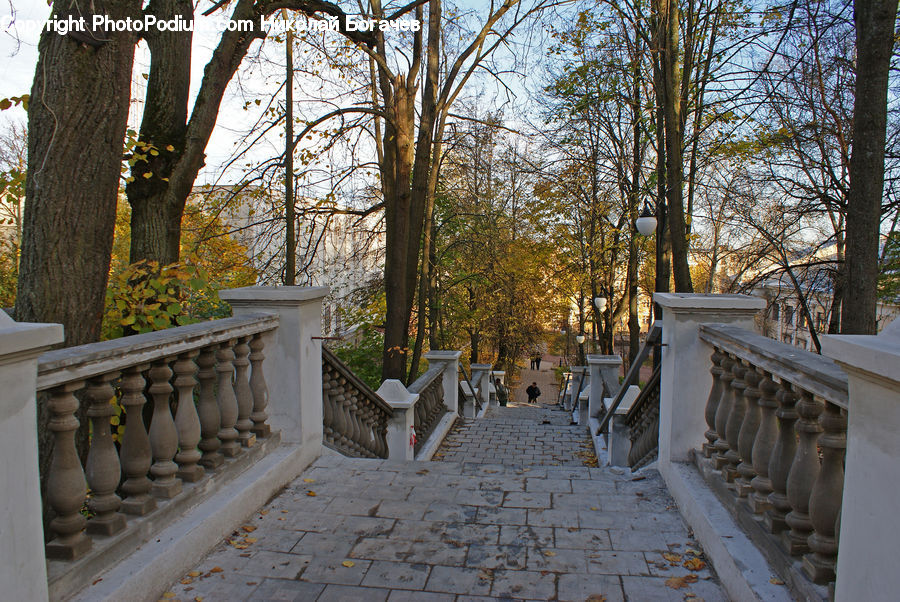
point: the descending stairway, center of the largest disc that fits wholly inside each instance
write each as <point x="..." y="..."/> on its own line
<point x="514" y="509"/>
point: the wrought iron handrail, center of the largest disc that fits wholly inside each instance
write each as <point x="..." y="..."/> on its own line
<point x="354" y="417"/>
<point x="634" y="371"/>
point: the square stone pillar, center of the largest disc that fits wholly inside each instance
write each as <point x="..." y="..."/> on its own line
<point x="685" y="379"/>
<point x="293" y="364"/>
<point x="483" y="384"/>
<point x="602" y="369"/>
<point x="870" y="533"/>
<point x="449" y="360"/>
<point x="400" y="434"/>
<point x="619" y="444"/>
<point x="23" y="570"/>
<point x="578" y="383"/>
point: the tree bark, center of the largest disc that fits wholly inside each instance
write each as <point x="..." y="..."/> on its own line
<point x="875" y="21"/>
<point x="76" y="125"/>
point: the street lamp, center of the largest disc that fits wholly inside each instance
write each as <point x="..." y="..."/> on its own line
<point x="601" y="302"/>
<point x="580" y="340"/>
<point x="646" y="223"/>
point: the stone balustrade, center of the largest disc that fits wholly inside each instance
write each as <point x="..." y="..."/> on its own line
<point x="355" y="418"/>
<point x="110" y="383"/>
<point x="771" y="408"/>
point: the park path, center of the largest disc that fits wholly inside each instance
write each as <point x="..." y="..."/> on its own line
<point x="515" y="508"/>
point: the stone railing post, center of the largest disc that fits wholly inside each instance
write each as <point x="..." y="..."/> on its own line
<point x="400" y="435"/>
<point x="685" y="380"/>
<point x="484" y="383"/>
<point x="449" y="360"/>
<point x="603" y="369"/>
<point x="293" y="358"/>
<point x="579" y="374"/>
<point x="869" y="531"/>
<point x="23" y="571"/>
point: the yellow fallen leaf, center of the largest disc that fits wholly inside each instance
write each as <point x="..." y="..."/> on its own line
<point x="311" y="493"/>
<point x="681" y="582"/>
<point x="549" y="553"/>
<point x="281" y="518"/>
<point x="216" y="569"/>
<point x="594" y="508"/>
<point x="240" y="546"/>
<point x="250" y="540"/>
<point x="186" y="581"/>
<point x="673" y="558"/>
<point x="595" y="598"/>
<point x="309" y="480"/>
<point x="776" y="581"/>
<point x="169" y="595"/>
<point x="694" y="564"/>
<point x="284" y="511"/>
<point x="194" y="574"/>
<point x="249" y="528"/>
<point x="348" y="563"/>
<point x="198" y="599"/>
<point x="263" y="512"/>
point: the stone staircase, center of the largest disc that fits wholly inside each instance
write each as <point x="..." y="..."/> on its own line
<point x="499" y="521"/>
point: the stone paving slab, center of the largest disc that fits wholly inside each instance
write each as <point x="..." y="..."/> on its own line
<point x="473" y="529"/>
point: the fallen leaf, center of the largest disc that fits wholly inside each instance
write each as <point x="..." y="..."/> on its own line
<point x="198" y="599"/>
<point x="245" y="555"/>
<point x="681" y="582"/>
<point x="194" y="574"/>
<point x="216" y="569"/>
<point x="776" y="581"/>
<point x="238" y="546"/>
<point x="594" y="508"/>
<point x="309" y="480"/>
<point x="311" y="493"/>
<point x="252" y="582"/>
<point x="549" y="553"/>
<point x="694" y="564"/>
<point x="673" y="558"/>
<point x="249" y="528"/>
<point x="284" y="511"/>
<point x="595" y="598"/>
<point x="693" y="551"/>
<point x="186" y="581"/>
<point x="250" y="540"/>
<point x="263" y="512"/>
<point x="348" y="563"/>
<point x="281" y="518"/>
<point x="169" y="595"/>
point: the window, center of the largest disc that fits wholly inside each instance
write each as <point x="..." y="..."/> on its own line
<point x="820" y="321"/>
<point x="775" y="312"/>
<point x="788" y="314"/>
<point x="801" y="320"/>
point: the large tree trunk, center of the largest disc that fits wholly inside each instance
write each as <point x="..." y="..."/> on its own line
<point x="875" y="21"/>
<point x="76" y="128"/>
<point x="669" y="15"/>
<point x="155" y="220"/>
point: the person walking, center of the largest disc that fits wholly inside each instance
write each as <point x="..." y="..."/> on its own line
<point x="537" y="362"/>
<point x="533" y="393"/>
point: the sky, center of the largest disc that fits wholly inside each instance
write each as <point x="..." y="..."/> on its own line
<point x="18" y="49"/>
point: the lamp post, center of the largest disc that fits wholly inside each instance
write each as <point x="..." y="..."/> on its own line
<point x="646" y="224"/>
<point x="600" y="303"/>
<point x="580" y="340"/>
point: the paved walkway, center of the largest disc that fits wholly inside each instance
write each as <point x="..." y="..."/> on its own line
<point x="514" y="511"/>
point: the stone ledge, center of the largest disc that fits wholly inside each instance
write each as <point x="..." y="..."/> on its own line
<point x="742" y="569"/>
<point x="193" y="528"/>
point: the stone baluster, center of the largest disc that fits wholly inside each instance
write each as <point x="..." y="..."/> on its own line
<point x="341" y="422"/>
<point x="208" y="410"/>
<point x="258" y="387"/>
<point x="764" y="445"/>
<point x="735" y="421"/>
<point x="228" y="405"/>
<point x="712" y="403"/>
<point x="163" y="435"/>
<point x="187" y="421"/>
<point x="804" y="470"/>
<point x="782" y="458"/>
<point x="102" y="469"/>
<point x="355" y="420"/>
<point x="724" y="409"/>
<point x="66" y="485"/>
<point x="136" y="454"/>
<point x="825" y="499"/>
<point x="749" y="428"/>
<point x="327" y="406"/>
<point x="243" y="393"/>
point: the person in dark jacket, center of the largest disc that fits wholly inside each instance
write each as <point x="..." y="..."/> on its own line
<point x="533" y="393"/>
<point x="502" y="393"/>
